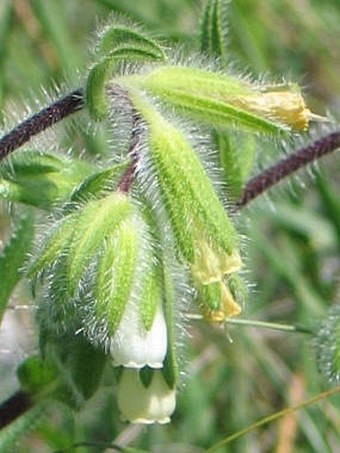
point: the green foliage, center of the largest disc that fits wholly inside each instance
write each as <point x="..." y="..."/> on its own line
<point x="117" y="44"/>
<point x="14" y="256"/>
<point x="41" y="180"/>
<point x="214" y="29"/>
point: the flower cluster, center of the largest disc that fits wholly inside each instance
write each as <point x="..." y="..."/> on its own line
<point x="105" y="261"/>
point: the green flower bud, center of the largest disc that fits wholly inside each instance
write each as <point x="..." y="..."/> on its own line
<point x="97" y="220"/>
<point x="205" y="236"/>
<point x="219" y="99"/>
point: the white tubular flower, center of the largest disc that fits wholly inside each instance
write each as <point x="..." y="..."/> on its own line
<point x="147" y="405"/>
<point x="133" y="346"/>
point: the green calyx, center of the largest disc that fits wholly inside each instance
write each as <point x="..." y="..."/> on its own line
<point x="115" y="274"/>
<point x="97" y="221"/>
<point x="214" y="28"/>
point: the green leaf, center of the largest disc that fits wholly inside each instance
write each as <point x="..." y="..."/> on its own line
<point x="99" y="184"/>
<point x="14" y="256"/>
<point x="170" y="368"/>
<point x="102" y="71"/>
<point x="82" y="365"/>
<point x="95" y="89"/>
<point x="53" y="20"/>
<point x="150" y="293"/>
<point x="6" y="21"/>
<point x="120" y="37"/>
<point x="193" y="207"/>
<point x="55" y="243"/>
<point x="118" y="43"/>
<point x="214" y="28"/>
<point x="41" y="180"/>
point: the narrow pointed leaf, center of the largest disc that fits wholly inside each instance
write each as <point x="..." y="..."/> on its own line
<point x="103" y="70"/>
<point x="41" y="180"/>
<point x="119" y="36"/>
<point x="99" y="184"/>
<point x="14" y="256"/>
<point x="214" y="28"/>
<point x="236" y="151"/>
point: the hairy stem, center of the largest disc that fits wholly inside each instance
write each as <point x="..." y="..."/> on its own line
<point x="41" y="121"/>
<point x="285" y="167"/>
<point x="127" y="178"/>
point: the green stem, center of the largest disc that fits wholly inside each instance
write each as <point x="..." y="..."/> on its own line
<point x="273" y="417"/>
<point x="261" y="324"/>
<point x="270" y="325"/>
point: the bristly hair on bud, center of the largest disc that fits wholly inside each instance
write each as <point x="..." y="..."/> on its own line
<point x="219" y="99"/>
<point x="327" y="346"/>
<point x="203" y="233"/>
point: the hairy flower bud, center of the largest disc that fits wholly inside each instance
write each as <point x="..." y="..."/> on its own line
<point x="219" y="99"/>
<point x="205" y="236"/>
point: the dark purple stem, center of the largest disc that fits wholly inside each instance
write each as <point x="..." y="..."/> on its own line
<point x="126" y="180"/>
<point x="41" y="121"/>
<point x="274" y="174"/>
<point x="15" y="406"/>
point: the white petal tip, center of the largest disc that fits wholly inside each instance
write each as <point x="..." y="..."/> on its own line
<point x="145" y="421"/>
<point x="137" y="365"/>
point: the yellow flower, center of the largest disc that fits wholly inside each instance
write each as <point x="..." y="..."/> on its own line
<point x="217" y="302"/>
<point x="210" y="265"/>
<point x="286" y="106"/>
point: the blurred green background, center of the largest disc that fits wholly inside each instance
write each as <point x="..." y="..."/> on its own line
<point x="292" y="237"/>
